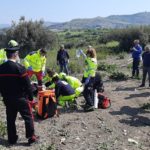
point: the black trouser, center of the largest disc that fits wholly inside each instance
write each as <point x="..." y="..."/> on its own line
<point x="135" y="67"/>
<point x="13" y="106"/>
<point x="88" y="93"/>
<point x="146" y="70"/>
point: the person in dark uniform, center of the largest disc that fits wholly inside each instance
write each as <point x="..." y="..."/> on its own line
<point x="63" y="59"/>
<point x="16" y="91"/>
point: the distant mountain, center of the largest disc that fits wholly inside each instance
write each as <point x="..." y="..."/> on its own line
<point x="47" y="24"/>
<point x="114" y="21"/>
<point x="2" y="26"/>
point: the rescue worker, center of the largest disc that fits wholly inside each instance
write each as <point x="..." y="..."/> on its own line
<point x="64" y="92"/>
<point x="63" y="59"/>
<point x="3" y="57"/>
<point x="16" y="91"/>
<point x="35" y="64"/>
<point x="74" y="83"/>
<point x="48" y="79"/>
<point x="88" y="77"/>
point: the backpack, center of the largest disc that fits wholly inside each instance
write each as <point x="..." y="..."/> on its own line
<point x="98" y="83"/>
<point x="47" y="106"/>
<point x="104" y="102"/>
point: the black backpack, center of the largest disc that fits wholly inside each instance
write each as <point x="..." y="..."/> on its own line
<point x="98" y="83"/>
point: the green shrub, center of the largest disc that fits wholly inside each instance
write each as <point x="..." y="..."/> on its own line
<point x="121" y="55"/>
<point x="118" y="76"/>
<point x="146" y="106"/>
<point x="106" y="67"/>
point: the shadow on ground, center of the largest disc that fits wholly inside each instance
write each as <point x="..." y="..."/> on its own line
<point x="135" y="116"/>
<point x="142" y="95"/>
<point x="5" y="143"/>
<point x="125" y="88"/>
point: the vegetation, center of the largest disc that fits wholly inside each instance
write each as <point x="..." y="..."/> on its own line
<point x="105" y="67"/>
<point x="30" y="35"/>
<point x="33" y="35"/>
<point x="146" y="106"/>
<point x="118" y="76"/>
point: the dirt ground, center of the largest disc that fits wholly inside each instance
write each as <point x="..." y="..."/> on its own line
<point x="123" y="126"/>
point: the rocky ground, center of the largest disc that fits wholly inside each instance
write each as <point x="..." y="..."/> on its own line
<point x="123" y="126"/>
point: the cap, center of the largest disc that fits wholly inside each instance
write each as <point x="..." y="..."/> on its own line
<point x="12" y="46"/>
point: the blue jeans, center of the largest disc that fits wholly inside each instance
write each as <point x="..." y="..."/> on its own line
<point x="135" y="67"/>
<point x="64" y="68"/>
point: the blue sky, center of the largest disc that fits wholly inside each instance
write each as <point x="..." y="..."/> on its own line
<point x="66" y="10"/>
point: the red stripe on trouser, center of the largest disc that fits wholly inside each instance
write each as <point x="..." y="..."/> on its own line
<point x="10" y="75"/>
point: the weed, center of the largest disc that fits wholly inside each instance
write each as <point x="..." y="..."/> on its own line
<point x="121" y="56"/>
<point x="103" y="146"/>
<point x="146" y="106"/>
<point x="45" y="146"/>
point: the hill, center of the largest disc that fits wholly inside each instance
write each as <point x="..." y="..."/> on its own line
<point x="113" y="21"/>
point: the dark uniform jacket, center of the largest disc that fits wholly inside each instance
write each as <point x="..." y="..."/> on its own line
<point x="146" y="59"/>
<point x="63" y="88"/>
<point x="62" y="56"/>
<point x="14" y="81"/>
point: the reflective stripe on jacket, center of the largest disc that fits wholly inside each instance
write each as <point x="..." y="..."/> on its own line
<point x="36" y="61"/>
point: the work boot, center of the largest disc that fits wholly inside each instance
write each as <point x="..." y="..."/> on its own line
<point x="142" y="85"/>
<point x="89" y="108"/>
<point x="33" y="139"/>
<point x="14" y="141"/>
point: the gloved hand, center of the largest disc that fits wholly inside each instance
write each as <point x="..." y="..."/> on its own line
<point x="87" y="80"/>
<point x="82" y="53"/>
<point x="68" y="60"/>
<point x="30" y="68"/>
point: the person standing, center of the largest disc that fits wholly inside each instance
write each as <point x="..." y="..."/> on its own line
<point x="35" y="63"/>
<point x="63" y="59"/>
<point x="89" y="77"/>
<point x="146" y="65"/>
<point x="136" y="55"/>
<point x="16" y="91"/>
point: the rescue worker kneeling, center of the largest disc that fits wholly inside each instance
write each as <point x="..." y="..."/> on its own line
<point x="74" y="82"/>
<point x="64" y="92"/>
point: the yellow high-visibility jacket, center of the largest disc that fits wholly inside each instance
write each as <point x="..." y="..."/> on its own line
<point x="3" y="57"/>
<point x="74" y="82"/>
<point x="36" y="61"/>
<point x="90" y="67"/>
